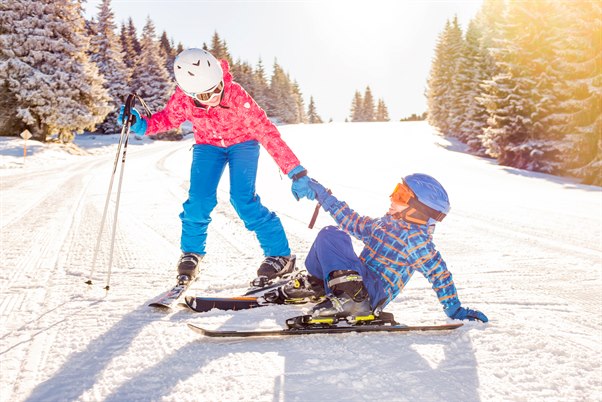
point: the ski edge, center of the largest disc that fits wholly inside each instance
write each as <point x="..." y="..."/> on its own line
<point x="333" y="330"/>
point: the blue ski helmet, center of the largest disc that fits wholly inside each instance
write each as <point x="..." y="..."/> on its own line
<point x="430" y="193"/>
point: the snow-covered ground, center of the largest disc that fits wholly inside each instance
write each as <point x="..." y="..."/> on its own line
<point x="524" y="248"/>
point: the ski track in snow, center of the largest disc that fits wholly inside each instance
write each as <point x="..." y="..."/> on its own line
<point x="524" y="248"/>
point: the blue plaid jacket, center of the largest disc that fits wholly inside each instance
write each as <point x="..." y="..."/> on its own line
<point x="393" y="250"/>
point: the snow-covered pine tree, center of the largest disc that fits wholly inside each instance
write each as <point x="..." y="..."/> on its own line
<point x="455" y="99"/>
<point x="440" y="85"/>
<point x="169" y="53"/>
<point x="219" y="49"/>
<point x="356" y="107"/>
<point x="580" y="45"/>
<point x="150" y="78"/>
<point x="108" y="57"/>
<point x="43" y="61"/>
<point x="473" y="71"/>
<point x="521" y="101"/>
<point x="261" y="87"/>
<point x="312" y="113"/>
<point x="282" y="103"/>
<point x="382" y="113"/>
<point x="129" y="44"/>
<point x="300" y="104"/>
<point x="242" y="73"/>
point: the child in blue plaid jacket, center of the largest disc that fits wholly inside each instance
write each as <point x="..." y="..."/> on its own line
<point x="395" y="246"/>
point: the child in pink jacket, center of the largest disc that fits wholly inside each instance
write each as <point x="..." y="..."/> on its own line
<point x="228" y="128"/>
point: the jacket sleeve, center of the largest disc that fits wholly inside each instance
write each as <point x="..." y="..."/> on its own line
<point x="169" y="118"/>
<point x="347" y="219"/>
<point x="265" y="131"/>
<point x="425" y="258"/>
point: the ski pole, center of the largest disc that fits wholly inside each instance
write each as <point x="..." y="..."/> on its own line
<point x="125" y="128"/>
<point x="123" y="142"/>
<point x="312" y="221"/>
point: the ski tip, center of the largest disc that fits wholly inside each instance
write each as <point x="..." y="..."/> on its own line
<point x="196" y="328"/>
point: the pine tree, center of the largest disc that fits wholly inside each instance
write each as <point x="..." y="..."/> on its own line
<point x="441" y="92"/>
<point x="129" y="44"/>
<point x="368" y="106"/>
<point x="456" y="100"/>
<point x="382" y="113"/>
<point x="282" y="104"/>
<point x="581" y="46"/>
<point x="300" y="104"/>
<point x="44" y="63"/>
<point x="169" y="53"/>
<point x="109" y="59"/>
<point x="472" y="72"/>
<point x="261" y="87"/>
<point x="357" y="106"/>
<point x="219" y="49"/>
<point x="242" y="73"/>
<point x="312" y="114"/>
<point x="521" y="100"/>
<point x="150" y="78"/>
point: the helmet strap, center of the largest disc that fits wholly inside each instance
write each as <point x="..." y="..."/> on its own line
<point x="412" y="215"/>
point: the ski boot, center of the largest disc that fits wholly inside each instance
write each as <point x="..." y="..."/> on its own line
<point x="348" y="302"/>
<point x="302" y="288"/>
<point x="188" y="267"/>
<point x="272" y="268"/>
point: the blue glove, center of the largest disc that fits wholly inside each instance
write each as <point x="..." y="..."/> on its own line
<point x="138" y="126"/>
<point x="461" y="313"/>
<point x="321" y="192"/>
<point x="300" y="187"/>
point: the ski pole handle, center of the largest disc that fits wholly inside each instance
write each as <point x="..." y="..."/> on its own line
<point x="312" y="221"/>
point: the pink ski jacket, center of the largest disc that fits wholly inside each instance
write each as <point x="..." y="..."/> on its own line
<point x="238" y="118"/>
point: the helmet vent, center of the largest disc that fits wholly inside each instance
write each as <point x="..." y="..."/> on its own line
<point x="179" y="67"/>
<point x="198" y="62"/>
<point x="191" y="73"/>
<point x="208" y="63"/>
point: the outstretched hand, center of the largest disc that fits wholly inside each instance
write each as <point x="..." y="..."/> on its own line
<point x="300" y="186"/>
<point x="467" y="314"/>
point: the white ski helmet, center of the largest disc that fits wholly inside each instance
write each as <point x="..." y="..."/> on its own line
<point x="197" y="71"/>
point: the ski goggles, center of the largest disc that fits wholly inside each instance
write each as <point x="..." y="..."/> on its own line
<point x="208" y="96"/>
<point x="401" y="194"/>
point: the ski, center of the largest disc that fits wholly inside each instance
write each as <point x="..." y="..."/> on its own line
<point x="321" y="330"/>
<point x="170" y="298"/>
<point x="202" y="304"/>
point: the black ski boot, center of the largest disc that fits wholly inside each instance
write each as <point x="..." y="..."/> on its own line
<point x="188" y="266"/>
<point x="273" y="267"/>
<point x="303" y="287"/>
<point x="349" y="297"/>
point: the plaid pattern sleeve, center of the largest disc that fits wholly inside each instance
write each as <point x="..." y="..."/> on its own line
<point x="426" y="259"/>
<point x="348" y="220"/>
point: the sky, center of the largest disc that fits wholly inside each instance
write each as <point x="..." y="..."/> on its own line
<point x="332" y="48"/>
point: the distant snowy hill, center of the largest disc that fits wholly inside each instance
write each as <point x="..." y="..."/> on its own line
<point x="524" y="248"/>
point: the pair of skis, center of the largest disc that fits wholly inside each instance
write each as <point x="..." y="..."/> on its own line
<point x="300" y="325"/>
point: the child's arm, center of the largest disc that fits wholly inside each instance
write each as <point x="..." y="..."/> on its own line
<point x="426" y="259"/>
<point x="347" y="219"/>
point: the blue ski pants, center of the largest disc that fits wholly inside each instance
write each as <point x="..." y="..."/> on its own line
<point x="208" y="164"/>
<point x="332" y="251"/>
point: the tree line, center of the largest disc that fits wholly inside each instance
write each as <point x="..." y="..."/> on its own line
<point x="364" y="109"/>
<point x="62" y="74"/>
<point x="523" y="84"/>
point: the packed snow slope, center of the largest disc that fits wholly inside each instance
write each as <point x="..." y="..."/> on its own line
<point x="524" y="248"/>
